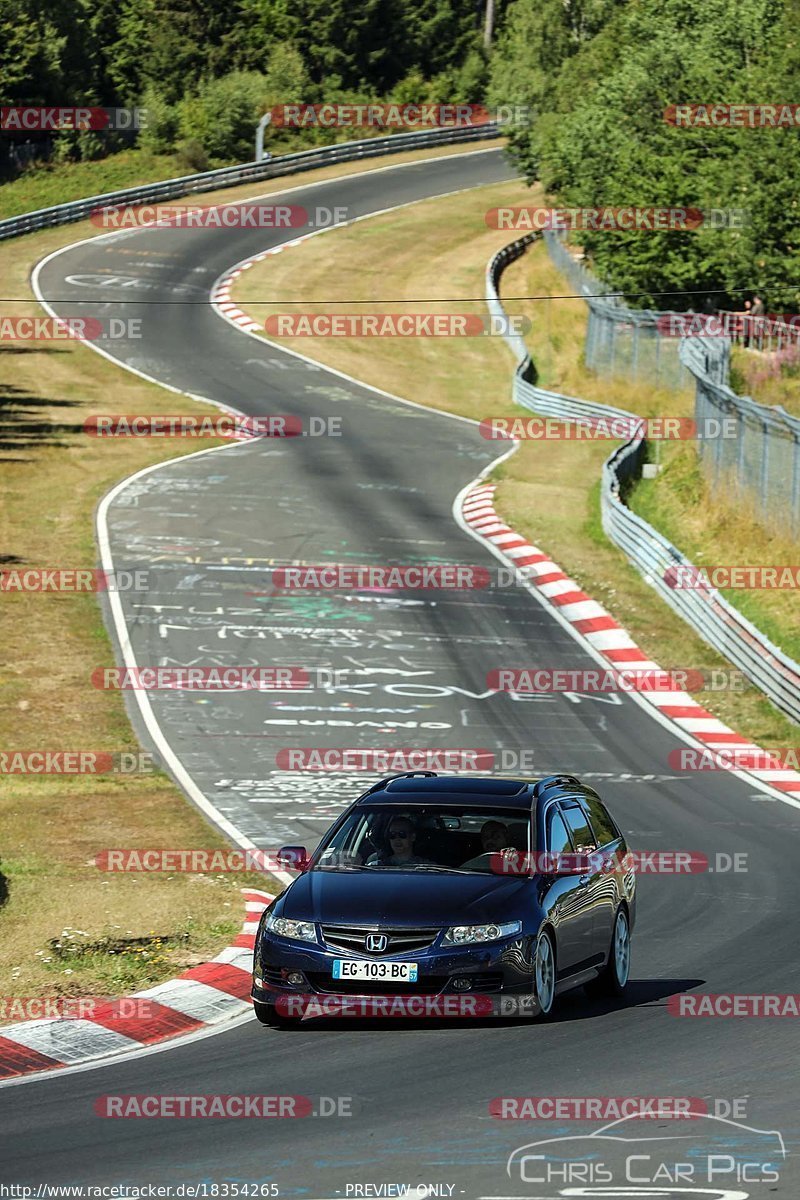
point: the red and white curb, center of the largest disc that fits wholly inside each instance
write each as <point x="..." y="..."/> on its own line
<point x="221" y="292"/>
<point x="606" y="636"/>
<point x="213" y="992"/>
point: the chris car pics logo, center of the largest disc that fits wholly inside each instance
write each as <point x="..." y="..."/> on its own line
<point x="705" y="1155"/>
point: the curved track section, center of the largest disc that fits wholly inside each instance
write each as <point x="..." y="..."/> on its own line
<point x="412" y="673"/>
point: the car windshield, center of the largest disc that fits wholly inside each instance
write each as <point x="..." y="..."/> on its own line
<point x="447" y="838"/>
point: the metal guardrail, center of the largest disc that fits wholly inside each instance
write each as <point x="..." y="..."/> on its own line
<point x="224" y="177"/>
<point x="711" y="616"/>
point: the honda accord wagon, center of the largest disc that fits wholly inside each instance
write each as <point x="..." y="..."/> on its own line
<point x="447" y="886"/>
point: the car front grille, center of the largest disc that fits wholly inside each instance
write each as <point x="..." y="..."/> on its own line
<point x="401" y="941"/>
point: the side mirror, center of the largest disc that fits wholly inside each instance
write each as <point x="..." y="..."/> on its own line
<point x="566" y="863"/>
<point x="293" y="858"/>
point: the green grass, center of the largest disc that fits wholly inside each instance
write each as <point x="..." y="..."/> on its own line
<point x="46" y="185"/>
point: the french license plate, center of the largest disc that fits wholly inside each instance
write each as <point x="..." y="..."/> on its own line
<point x="384" y="972"/>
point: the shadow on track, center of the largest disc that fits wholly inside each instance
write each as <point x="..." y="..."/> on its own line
<point x="572" y="1006"/>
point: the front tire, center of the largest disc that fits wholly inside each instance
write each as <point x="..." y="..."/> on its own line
<point x="544" y="975"/>
<point x="266" y="1015"/>
<point x="613" y="979"/>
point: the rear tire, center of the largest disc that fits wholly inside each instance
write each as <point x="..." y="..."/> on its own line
<point x="613" y="979"/>
<point x="544" y="975"/>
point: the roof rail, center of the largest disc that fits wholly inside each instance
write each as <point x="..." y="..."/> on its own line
<point x="552" y="781"/>
<point x="376" y="787"/>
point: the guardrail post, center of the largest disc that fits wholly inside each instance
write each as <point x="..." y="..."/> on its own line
<point x="262" y="125"/>
<point x="764" y="467"/>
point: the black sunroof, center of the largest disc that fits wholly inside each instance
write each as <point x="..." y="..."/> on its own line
<point x="458" y="784"/>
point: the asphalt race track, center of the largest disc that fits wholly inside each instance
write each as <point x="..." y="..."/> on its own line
<point x="411" y="672"/>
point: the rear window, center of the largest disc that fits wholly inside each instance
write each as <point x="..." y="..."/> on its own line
<point x="579" y="827"/>
<point x="602" y="821"/>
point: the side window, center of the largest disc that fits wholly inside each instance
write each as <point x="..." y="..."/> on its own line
<point x="601" y="821"/>
<point x="579" y="827"/>
<point x="557" y="836"/>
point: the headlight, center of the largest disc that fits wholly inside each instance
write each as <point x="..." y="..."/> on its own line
<point x="299" y="931"/>
<point x="466" y="935"/>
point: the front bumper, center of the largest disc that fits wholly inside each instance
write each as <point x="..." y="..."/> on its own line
<point x="497" y="968"/>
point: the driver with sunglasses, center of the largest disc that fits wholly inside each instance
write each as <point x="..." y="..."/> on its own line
<point x="401" y="837"/>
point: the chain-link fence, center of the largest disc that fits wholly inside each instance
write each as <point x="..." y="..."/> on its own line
<point x="756" y="450"/>
<point x="620" y="340"/>
<point x="750" y="449"/>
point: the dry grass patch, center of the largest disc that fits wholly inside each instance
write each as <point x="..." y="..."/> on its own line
<point x="52" y="477"/>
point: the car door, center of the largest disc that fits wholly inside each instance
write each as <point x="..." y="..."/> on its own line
<point x="568" y="901"/>
<point x="606" y="890"/>
<point x="599" y="885"/>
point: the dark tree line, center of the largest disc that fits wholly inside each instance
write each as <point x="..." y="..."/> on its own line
<point x="205" y="69"/>
<point x="599" y="74"/>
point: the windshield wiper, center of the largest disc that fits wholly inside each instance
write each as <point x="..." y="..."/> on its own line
<point x="324" y="867"/>
<point x="449" y="870"/>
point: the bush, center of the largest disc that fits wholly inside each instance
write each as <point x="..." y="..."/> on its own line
<point x="222" y="116"/>
<point x="160" y="131"/>
<point x="191" y="157"/>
